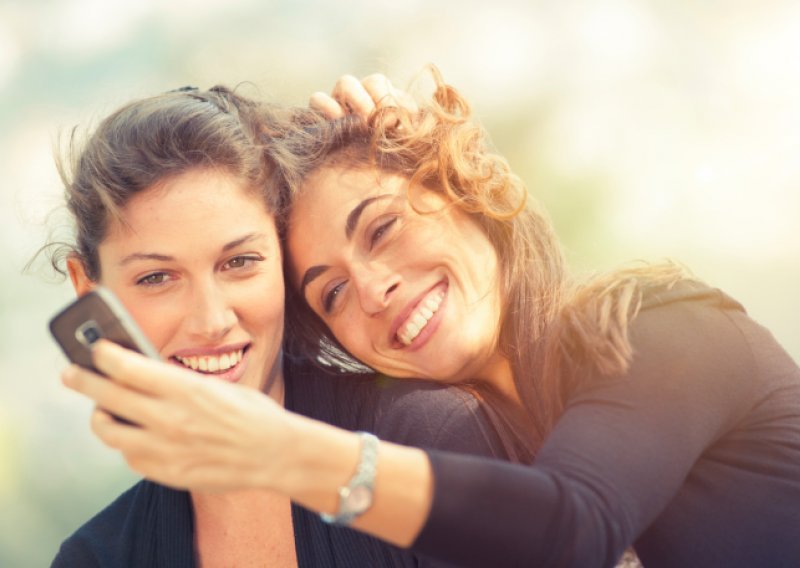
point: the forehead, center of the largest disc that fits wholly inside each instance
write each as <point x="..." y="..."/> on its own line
<point x="202" y="203"/>
<point x="193" y="191"/>
<point x="336" y="190"/>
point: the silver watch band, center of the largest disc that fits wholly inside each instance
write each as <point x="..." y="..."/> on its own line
<point x="355" y="498"/>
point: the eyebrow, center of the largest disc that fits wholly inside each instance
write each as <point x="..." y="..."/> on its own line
<point x="355" y="214"/>
<point x="310" y="275"/>
<point x="349" y="227"/>
<point x="166" y="258"/>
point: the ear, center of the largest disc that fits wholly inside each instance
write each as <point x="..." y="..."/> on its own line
<point x="77" y="273"/>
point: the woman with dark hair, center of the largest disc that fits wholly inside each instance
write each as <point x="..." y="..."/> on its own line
<point x="653" y="411"/>
<point x="174" y="200"/>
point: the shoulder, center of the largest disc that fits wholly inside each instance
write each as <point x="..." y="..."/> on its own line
<point x="336" y="397"/>
<point x="429" y="415"/>
<point x="410" y="412"/>
<point x="96" y="541"/>
<point x="695" y="350"/>
<point x="693" y="325"/>
<point x="689" y="319"/>
<point x="125" y="532"/>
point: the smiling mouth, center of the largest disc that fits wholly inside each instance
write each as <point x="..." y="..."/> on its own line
<point x="420" y="317"/>
<point x="212" y="364"/>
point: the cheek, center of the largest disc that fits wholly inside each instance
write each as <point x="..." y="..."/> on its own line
<point x="264" y="305"/>
<point x="160" y="321"/>
<point x="354" y="333"/>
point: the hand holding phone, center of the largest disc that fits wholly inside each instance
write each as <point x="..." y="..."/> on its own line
<point x="93" y="316"/>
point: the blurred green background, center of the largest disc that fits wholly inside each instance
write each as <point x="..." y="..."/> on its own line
<point x="651" y="130"/>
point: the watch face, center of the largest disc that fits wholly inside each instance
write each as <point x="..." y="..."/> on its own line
<point x="359" y="499"/>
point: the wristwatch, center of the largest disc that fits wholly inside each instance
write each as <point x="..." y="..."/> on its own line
<point x="355" y="498"/>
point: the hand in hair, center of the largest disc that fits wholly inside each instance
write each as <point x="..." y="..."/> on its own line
<point x="362" y="98"/>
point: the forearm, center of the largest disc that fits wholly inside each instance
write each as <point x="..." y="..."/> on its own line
<point x="325" y="459"/>
<point x="211" y="436"/>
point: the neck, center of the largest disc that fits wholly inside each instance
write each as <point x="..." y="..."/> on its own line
<point x="274" y="385"/>
<point x="499" y="374"/>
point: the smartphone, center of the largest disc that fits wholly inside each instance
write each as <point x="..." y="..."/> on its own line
<point x="97" y="315"/>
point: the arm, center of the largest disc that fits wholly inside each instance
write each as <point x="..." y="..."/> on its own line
<point x="201" y="434"/>
<point x="617" y="457"/>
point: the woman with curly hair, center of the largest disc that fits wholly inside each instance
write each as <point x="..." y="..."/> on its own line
<point x="650" y="410"/>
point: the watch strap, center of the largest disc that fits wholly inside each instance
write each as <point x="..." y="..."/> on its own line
<point x="355" y="498"/>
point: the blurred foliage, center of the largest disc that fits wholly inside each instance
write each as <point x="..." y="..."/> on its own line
<point x="648" y="129"/>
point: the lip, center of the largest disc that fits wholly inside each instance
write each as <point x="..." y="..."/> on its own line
<point x="200" y="351"/>
<point x="232" y="375"/>
<point x="430" y="328"/>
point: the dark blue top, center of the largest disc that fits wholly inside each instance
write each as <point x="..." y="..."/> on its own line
<point x="693" y="456"/>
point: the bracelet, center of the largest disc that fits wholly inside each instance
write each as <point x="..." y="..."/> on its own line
<point x="355" y="498"/>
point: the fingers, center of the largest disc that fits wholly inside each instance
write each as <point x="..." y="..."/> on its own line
<point x="326" y="104"/>
<point x="112" y="432"/>
<point x="124" y="403"/>
<point x="353" y="97"/>
<point x="384" y="94"/>
<point x="138" y="372"/>
<point x="361" y="97"/>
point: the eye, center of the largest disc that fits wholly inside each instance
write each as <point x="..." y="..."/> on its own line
<point x="242" y="261"/>
<point x="329" y="297"/>
<point x="378" y="234"/>
<point x="152" y="279"/>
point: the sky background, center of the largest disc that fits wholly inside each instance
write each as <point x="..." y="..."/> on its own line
<point x="650" y="130"/>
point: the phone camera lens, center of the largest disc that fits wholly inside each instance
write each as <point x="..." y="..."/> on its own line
<point x="88" y="333"/>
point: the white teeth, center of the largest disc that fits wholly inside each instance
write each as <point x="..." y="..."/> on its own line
<point x="212" y="363"/>
<point x="417" y="321"/>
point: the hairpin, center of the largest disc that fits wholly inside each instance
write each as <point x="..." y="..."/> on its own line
<point x="184" y="89"/>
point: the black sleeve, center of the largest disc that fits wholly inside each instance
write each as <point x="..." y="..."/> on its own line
<point x="429" y="416"/>
<point x="425" y="415"/>
<point x="617" y="456"/>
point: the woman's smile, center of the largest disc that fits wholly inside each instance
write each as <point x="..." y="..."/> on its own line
<point x="227" y="362"/>
<point x="404" y="279"/>
<point x="419" y="320"/>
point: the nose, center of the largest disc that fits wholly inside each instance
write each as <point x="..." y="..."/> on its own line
<point x="375" y="286"/>
<point x="211" y="316"/>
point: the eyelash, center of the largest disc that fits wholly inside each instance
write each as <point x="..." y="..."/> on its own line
<point x="248" y="259"/>
<point x="380" y="231"/>
<point x="148" y="280"/>
<point x="330" y="296"/>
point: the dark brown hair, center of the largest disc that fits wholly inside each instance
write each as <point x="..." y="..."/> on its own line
<point x="553" y="327"/>
<point x="149" y="140"/>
